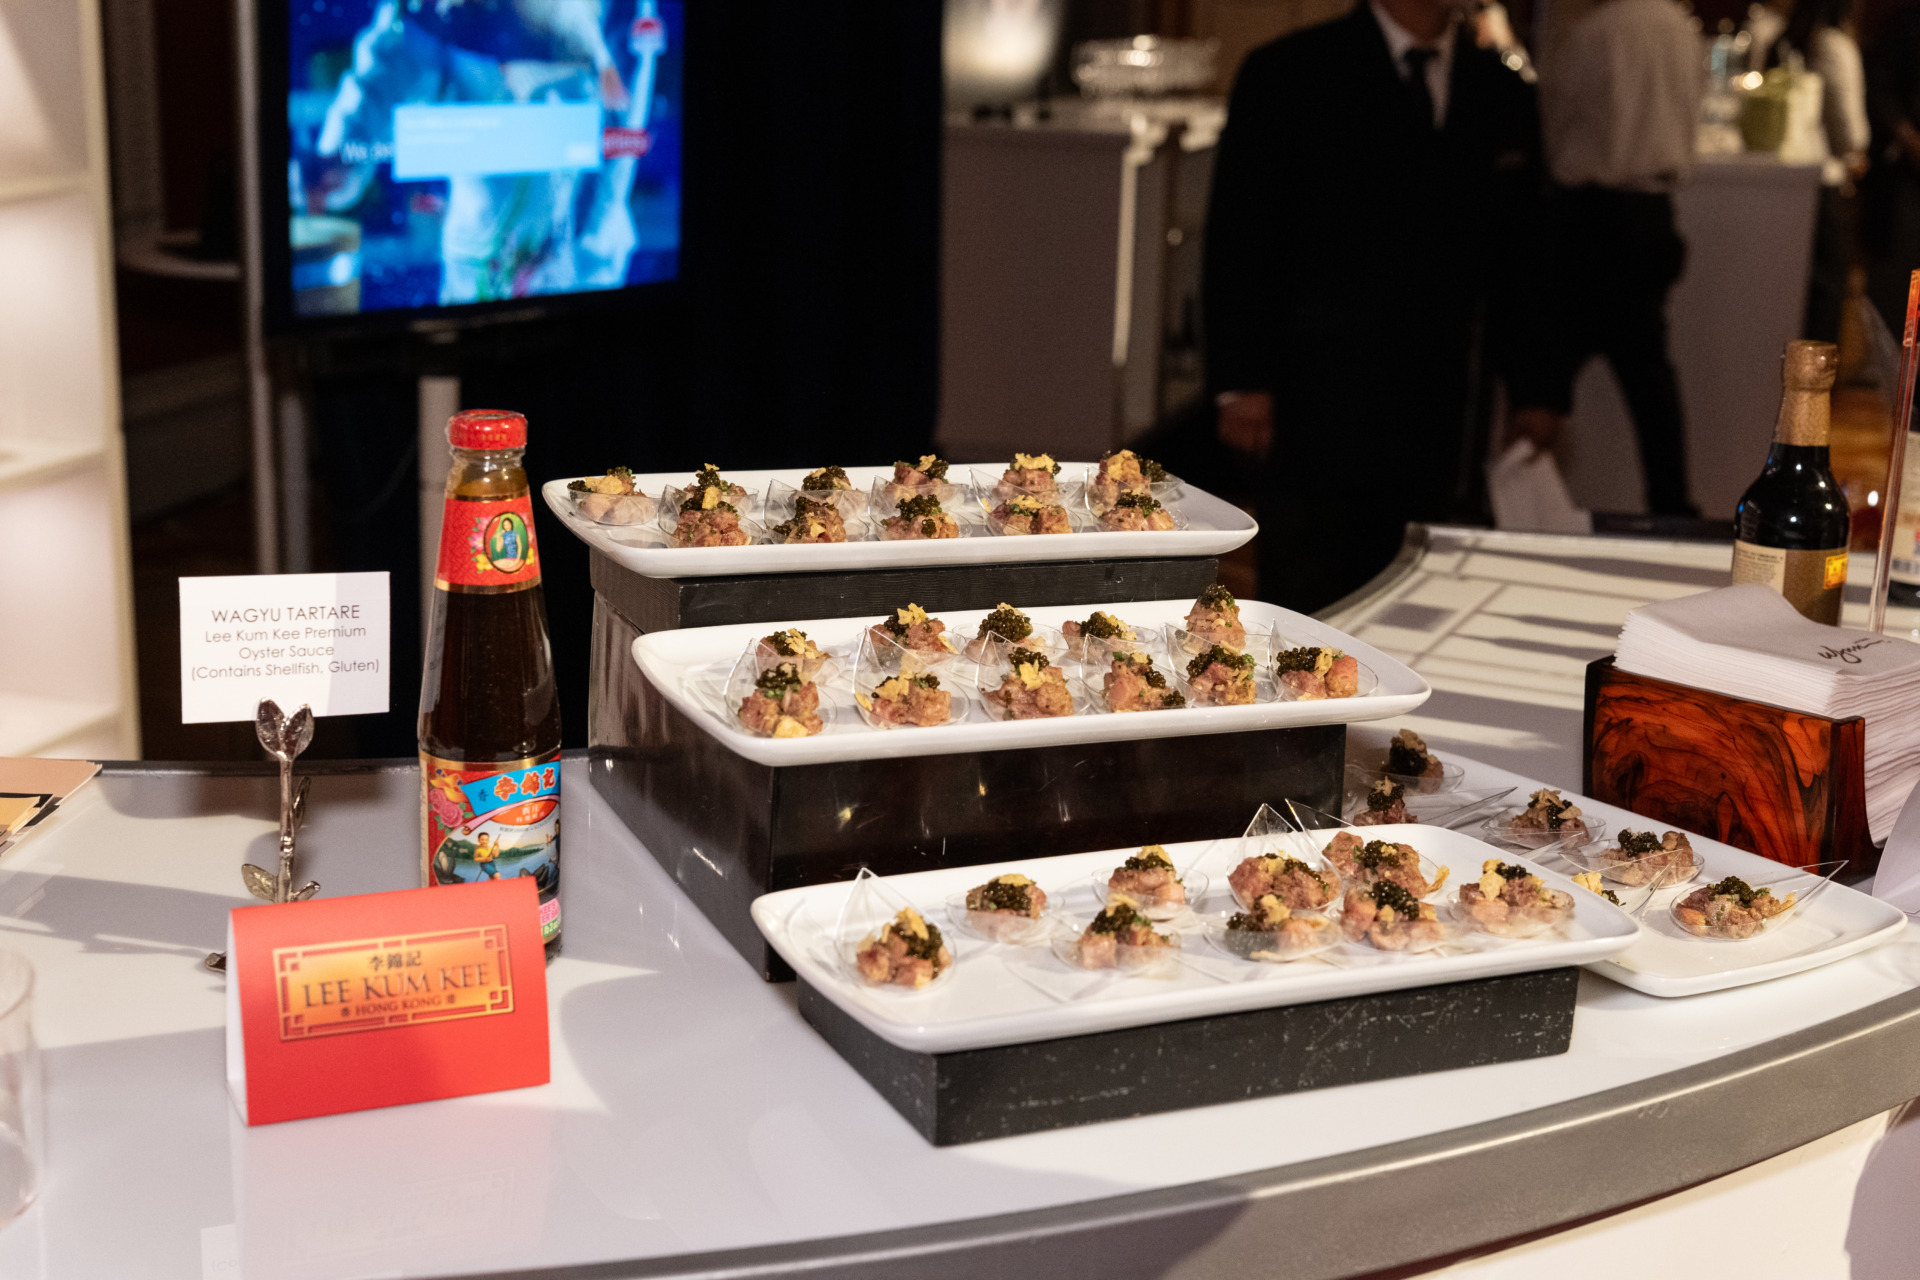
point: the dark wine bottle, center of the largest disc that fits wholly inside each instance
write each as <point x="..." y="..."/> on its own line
<point x="1792" y="522"/>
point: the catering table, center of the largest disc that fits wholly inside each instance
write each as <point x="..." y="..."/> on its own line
<point x="695" y="1126"/>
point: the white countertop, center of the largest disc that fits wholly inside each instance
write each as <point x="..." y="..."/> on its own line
<point x="691" y="1110"/>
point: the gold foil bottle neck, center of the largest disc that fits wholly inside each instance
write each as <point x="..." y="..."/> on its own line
<point x="1810" y="366"/>
<point x="1807" y="373"/>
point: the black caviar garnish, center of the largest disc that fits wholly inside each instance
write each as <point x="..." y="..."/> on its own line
<point x="1008" y="623"/>
<point x="1388" y="894"/>
<point x="1302" y="659"/>
<point x="1378" y="853"/>
<point x="778" y="681"/>
<point x="1384" y="795"/>
<point x="1222" y="655"/>
<point x="1735" y="887"/>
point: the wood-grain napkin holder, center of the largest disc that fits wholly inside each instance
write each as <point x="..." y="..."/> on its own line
<point x="1787" y="785"/>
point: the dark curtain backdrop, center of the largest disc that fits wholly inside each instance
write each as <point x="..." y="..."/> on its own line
<point x="805" y="330"/>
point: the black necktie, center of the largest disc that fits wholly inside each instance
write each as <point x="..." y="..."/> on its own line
<point x="1417" y="59"/>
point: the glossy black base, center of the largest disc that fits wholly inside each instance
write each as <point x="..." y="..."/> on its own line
<point x="971" y="1096"/>
<point x="661" y="604"/>
<point x="728" y="829"/>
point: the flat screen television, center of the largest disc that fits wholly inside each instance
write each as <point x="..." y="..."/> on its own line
<point x="444" y="158"/>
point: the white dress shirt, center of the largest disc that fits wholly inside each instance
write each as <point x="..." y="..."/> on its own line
<point x="1620" y="97"/>
<point x="1843" y="99"/>
<point x="1439" y="68"/>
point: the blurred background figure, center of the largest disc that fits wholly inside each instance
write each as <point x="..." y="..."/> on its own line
<point x="1621" y="98"/>
<point x="1820" y="34"/>
<point x="1366" y="246"/>
<point x="1891" y="221"/>
<point x="1764" y="25"/>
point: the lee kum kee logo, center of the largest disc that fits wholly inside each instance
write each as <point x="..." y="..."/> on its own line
<point x="375" y="983"/>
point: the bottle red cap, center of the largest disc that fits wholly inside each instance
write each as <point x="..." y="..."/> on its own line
<point x="487" y="429"/>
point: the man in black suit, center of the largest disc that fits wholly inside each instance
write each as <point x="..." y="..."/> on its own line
<point x="1368" y="262"/>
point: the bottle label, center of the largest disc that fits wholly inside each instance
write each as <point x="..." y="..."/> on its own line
<point x="486" y="544"/>
<point x="493" y="820"/>
<point x="1812" y="581"/>
<point x="1905" y="560"/>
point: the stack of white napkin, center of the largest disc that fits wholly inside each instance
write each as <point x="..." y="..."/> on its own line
<point x="1748" y="642"/>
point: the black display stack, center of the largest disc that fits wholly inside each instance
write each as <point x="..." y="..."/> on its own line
<point x="728" y="829"/>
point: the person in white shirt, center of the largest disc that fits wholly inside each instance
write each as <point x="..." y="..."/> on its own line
<point x="1620" y="98"/>
<point x="1820" y="33"/>
<point x="1764" y="25"/>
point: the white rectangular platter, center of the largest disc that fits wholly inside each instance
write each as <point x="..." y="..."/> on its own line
<point x="1667" y="961"/>
<point x="1214" y="527"/>
<point x="687" y="664"/>
<point x="988" y="1001"/>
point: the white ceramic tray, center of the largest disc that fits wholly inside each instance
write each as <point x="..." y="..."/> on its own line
<point x="988" y="1002"/>
<point x="688" y="666"/>
<point x="1666" y="961"/>
<point x="1214" y="527"/>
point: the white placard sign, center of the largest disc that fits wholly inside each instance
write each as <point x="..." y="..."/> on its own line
<point x="316" y="638"/>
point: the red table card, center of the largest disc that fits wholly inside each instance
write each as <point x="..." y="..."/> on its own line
<point x="345" y="1004"/>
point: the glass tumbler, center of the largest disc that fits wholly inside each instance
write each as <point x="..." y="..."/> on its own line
<point x="22" y="1121"/>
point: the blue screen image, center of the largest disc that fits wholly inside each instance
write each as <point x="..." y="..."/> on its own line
<point x="450" y="152"/>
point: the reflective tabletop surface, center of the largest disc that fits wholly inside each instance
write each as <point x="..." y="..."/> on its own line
<point x="695" y="1126"/>
<point x="693" y="1115"/>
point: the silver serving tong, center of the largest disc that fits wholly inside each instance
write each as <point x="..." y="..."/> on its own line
<point x="284" y="737"/>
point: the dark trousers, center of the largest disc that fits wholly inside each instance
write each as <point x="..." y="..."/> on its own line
<point x="1617" y="257"/>
<point x="1832" y="259"/>
<point x="1358" y="453"/>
